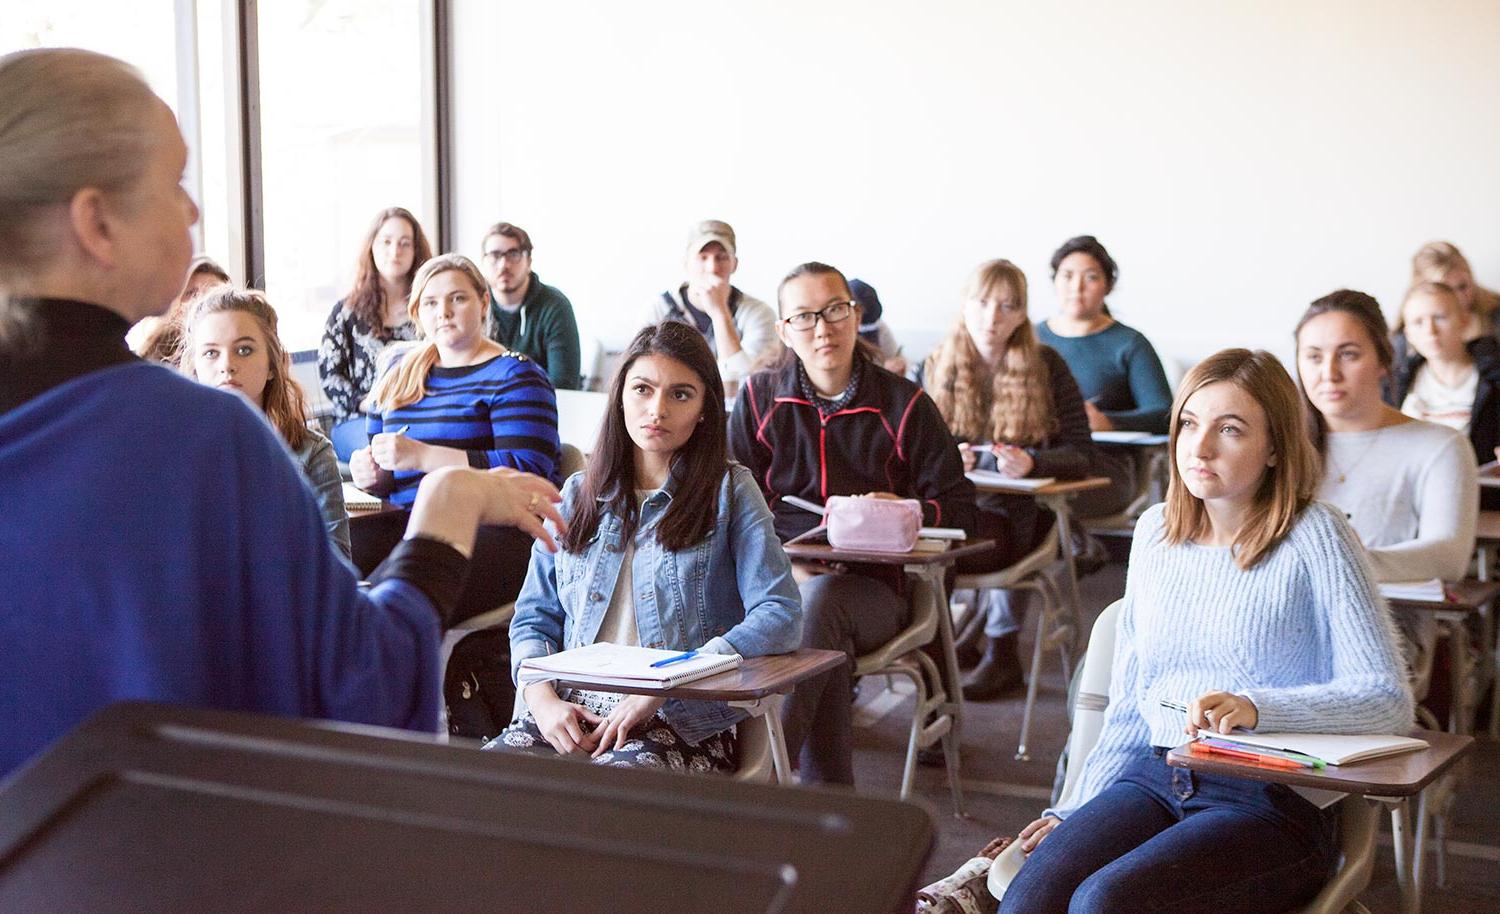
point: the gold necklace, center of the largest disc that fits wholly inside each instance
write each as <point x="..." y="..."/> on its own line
<point x="1343" y="474"/>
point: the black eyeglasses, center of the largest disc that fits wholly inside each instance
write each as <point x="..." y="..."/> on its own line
<point x="513" y="255"/>
<point x="835" y="313"/>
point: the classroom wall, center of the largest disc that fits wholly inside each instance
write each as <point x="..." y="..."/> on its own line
<point x="1238" y="159"/>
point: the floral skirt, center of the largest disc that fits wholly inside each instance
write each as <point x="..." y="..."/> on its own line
<point x="653" y="743"/>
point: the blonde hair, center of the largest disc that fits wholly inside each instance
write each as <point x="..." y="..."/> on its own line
<point x="1425" y="287"/>
<point x="406" y="383"/>
<point x="69" y="119"/>
<point x="1286" y="487"/>
<point x="1014" y="404"/>
<point x="1436" y="259"/>
<point x="282" y="401"/>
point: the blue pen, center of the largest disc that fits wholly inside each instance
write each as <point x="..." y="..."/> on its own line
<point x="665" y="661"/>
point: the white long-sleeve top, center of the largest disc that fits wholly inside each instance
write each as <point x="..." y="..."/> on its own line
<point x="1303" y="634"/>
<point x="1411" y="493"/>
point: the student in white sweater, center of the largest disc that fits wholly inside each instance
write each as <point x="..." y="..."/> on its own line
<point x="1253" y="605"/>
<point x="1408" y="487"/>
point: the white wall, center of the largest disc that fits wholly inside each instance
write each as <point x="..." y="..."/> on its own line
<point x="1238" y="159"/>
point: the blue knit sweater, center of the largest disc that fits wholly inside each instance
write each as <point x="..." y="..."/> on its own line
<point x="501" y="412"/>
<point x="1304" y="635"/>
<point x="159" y="543"/>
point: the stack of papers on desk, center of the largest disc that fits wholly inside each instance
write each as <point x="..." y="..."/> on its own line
<point x="1332" y="749"/>
<point x="1414" y="591"/>
<point x="991" y="478"/>
<point x="604" y="664"/>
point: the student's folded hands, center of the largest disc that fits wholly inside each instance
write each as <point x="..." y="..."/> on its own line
<point x="631" y="712"/>
<point x="566" y="726"/>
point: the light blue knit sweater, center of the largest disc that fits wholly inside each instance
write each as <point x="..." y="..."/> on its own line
<point x="1304" y="634"/>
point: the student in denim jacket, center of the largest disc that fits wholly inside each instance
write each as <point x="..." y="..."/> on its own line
<point x="669" y="546"/>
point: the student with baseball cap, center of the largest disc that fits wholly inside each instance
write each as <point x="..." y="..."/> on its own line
<point x="741" y="330"/>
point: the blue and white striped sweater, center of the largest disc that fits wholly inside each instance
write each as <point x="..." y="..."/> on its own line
<point x="502" y="413"/>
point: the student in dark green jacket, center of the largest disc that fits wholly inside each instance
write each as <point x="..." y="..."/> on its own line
<point x="527" y="315"/>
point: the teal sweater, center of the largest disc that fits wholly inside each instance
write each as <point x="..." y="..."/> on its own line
<point x="544" y="330"/>
<point x="1119" y="372"/>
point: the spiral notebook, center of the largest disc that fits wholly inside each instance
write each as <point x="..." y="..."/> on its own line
<point x="358" y="499"/>
<point x="605" y="664"/>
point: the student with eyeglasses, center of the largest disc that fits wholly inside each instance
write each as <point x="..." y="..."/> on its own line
<point x="831" y="421"/>
<point x="527" y="315"/>
<point x="1015" y="407"/>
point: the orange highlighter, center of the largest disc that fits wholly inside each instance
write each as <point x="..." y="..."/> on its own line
<point x="1269" y="761"/>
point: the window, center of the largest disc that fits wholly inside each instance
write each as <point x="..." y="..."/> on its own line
<point x="162" y="39"/>
<point x="342" y="105"/>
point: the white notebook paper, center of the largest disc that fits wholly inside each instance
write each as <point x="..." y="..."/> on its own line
<point x="1422" y="591"/>
<point x="358" y="498"/>
<point x="991" y="478"/>
<point x="1333" y="748"/>
<point x="605" y="664"/>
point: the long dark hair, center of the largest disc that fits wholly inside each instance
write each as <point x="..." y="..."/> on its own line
<point x="1364" y="309"/>
<point x="698" y="465"/>
<point x="365" y="300"/>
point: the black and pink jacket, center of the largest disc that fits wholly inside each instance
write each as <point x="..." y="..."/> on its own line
<point x="889" y="438"/>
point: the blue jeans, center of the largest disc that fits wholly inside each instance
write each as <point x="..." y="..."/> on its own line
<point x="1163" y="838"/>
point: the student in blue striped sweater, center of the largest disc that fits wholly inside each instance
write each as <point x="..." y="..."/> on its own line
<point x="460" y="399"/>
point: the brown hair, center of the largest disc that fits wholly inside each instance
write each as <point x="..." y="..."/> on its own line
<point x="699" y="464"/>
<point x="513" y="232"/>
<point x="282" y="401"/>
<point x="407" y="382"/>
<point x="1286" y="487"/>
<point x="69" y="119"/>
<point x="1366" y="311"/>
<point x="164" y="343"/>
<point x="1013" y="405"/>
<point x="365" y="299"/>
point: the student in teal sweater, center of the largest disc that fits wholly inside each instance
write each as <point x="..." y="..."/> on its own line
<point x="527" y="315"/>
<point x="1123" y="384"/>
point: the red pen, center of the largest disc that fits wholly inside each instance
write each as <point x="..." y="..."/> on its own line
<point x="1270" y="761"/>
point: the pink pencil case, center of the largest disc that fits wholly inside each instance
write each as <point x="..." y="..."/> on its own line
<point x="873" y="524"/>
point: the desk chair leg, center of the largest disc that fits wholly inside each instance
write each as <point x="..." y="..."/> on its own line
<point x="1060" y="507"/>
<point x="768" y="709"/>
<point x="779" y="760"/>
<point x="950" y="757"/>
<point x="1033" y="677"/>
<point x="1401" y="839"/>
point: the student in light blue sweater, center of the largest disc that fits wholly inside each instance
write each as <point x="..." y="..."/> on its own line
<point x="1253" y="605"/>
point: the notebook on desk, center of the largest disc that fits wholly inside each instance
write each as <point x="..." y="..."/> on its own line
<point x="1414" y="591"/>
<point x="991" y="478"/>
<point x="1331" y="748"/>
<point x="359" y="499"/>
<point x="605" y="664"/>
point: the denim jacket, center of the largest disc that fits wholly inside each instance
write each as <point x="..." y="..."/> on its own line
<point x="731" y="593"/>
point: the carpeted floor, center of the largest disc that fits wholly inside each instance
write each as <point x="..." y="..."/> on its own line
<point x="1002" y="794"/>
